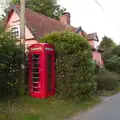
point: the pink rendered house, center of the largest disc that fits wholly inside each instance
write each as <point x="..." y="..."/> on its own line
<point x="37" y="25"/>
<point x="96" y="51"/>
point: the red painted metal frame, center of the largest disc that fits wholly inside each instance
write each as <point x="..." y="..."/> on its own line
<point x="43" y="49"/>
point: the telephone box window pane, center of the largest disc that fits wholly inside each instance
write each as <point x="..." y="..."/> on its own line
<point x="35" y="60"/>
<point x="36" y="89"/>
<point x="35" y="70"/>
<point x="36" y="79"/>
<point x="49" y="70"/>
<point x="35" y="75"/>
<point x="36" y="84"/>
<point x="49" y="83"/>
<point x="36" y="65"/>
<point x="49" y="74"/>
<point x="35" y="56"/>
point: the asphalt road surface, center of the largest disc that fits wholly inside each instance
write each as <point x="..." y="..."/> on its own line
<point x="109" y="109"/>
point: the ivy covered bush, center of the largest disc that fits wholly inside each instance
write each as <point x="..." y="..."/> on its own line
<point x="74" y="65"/>
<point x="9" y="64"/>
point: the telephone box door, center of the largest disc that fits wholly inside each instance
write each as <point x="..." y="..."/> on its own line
<point x="50" y="70"/>
<point x="35" y="82"/>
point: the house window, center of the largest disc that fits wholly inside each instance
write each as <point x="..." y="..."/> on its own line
<point x="96" y="44"/>
<point x="16" y="31"/>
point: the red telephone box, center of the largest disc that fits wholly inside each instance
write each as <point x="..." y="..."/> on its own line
<point x="41" y="70"/>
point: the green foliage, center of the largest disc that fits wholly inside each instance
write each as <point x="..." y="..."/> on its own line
<point x="108" y="54"/>
<point x="116" y="50"/>
<point x="9" y="63"/>
<point x="111" y="54"/>
<point x="97" y="68"/>
<point x="74" y="66"/>
<point x="107" y="43"/>
<point x="113" y="64"/>
<point x="49" y="8"/>
<point x="107" y="80"/>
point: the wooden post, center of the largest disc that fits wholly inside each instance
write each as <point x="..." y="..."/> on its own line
<point x="22" y="46"/>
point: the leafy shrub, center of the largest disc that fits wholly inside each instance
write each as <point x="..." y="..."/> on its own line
<point x="97" y="68"/>
<point x="116" y="50"/>
<point x="113" y="64"/>
<point x="74" y="66"/>
<point x="9" y="63"/>
<point x="107" y="80"/>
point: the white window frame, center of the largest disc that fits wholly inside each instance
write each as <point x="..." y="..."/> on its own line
<point x="16" y="28"/>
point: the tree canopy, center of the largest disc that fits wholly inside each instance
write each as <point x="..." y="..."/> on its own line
<point x="107" y="43"/>
<point x="50" y="8"/>
<point x="111" y="54"/>
<point x="116" y="50"/>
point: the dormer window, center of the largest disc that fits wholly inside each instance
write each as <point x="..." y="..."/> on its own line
<point x="16" y="31"/>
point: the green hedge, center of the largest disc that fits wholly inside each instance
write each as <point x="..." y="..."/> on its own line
<point x="9" y="64"/>
<point x="74" y="66"/>
<point x="107" y="80"/>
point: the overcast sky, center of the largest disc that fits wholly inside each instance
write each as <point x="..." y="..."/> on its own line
<point x="91" y="17"/>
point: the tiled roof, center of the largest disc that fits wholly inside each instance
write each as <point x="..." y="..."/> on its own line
<point x="79" y="29"/>
<point x="93" y="36"/>
<point x="40" y="24"/>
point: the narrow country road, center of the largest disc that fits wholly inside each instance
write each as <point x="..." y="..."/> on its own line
<point x="109" y="109"/>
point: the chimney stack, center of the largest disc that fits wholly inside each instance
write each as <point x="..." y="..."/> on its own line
<point x="65" y="18"/>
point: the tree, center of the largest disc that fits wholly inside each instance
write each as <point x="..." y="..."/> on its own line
<point x="116" y="50"/>
<point x="10" y="55"/>
<point x="107" y="43"/>
<point x="74" y="65"/>
<point x="108" y="54"/>
<point x="49" y="8"/>
<point x="111" y="54"/>
<point x="113" y="64"/>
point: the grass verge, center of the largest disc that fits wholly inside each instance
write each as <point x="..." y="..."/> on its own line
<point x="27" y="108"/>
